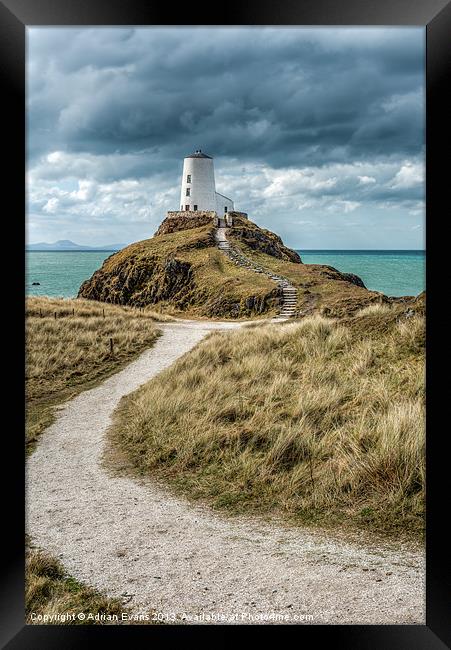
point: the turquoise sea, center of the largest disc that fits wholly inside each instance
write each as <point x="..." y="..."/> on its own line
<point x="395" y="273"/>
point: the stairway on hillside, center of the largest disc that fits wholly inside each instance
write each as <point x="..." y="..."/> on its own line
<point x="288" y="290"/>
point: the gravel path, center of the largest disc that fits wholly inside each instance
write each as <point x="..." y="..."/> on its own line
<point x="135" y="540"/>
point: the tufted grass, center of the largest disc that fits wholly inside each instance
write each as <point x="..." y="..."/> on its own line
<point x="71" y="352"/>
<point x="319" y="421"/>
<point x="50" y="591"/>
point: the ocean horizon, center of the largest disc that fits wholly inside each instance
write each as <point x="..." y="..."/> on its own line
<point x="395" y="272"/>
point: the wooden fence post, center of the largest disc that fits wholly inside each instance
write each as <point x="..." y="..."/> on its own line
<point x="40" y="312"/>
<point x="311" y="477"/>
<point x="111" y="346"/>
<point x="103" y="311"/>
<point x="55" y="315"/>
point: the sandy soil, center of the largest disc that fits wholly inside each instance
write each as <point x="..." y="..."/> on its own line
<point x="133" y="539"/>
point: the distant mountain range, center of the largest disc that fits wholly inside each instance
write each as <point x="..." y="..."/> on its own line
<point x="67" y="245"/>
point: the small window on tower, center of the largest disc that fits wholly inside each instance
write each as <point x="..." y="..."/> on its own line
<point x="195" y="208"/>
<point x="188" y="178"/>
<point x="187" y="208"/>
<point x="188" y="191"/>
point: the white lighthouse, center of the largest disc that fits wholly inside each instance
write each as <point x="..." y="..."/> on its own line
<point x="198" y="192"/>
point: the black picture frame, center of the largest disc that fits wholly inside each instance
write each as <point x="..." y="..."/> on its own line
<point x="435" y="16"/>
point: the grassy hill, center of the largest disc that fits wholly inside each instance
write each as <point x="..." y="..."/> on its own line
<point x="318" y="420"/>
<point x="68" y="350"/>
<point x="181" y="270"/>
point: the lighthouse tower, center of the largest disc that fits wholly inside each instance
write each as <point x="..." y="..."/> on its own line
<point x="198" y="190"/>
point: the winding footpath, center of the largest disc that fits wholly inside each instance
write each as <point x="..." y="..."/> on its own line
<point x="131" y="538"/>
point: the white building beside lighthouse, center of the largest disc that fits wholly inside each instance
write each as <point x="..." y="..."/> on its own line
<point x="198" y="192"/>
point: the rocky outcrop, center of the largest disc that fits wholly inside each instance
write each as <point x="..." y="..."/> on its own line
<point x="183" y="222"/>
<point x="334" y="274"/>
<point x="414" y="304"/>
<point x="141" y="282"/>
<point x="353" y="279"/>
<point x="221" y="306"/>
<point x="260" y="239"/>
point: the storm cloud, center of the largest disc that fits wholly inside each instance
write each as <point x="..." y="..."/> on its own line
<point x="306" y="125"/>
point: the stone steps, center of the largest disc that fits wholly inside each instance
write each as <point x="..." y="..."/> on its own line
<point x="288" y="307"/>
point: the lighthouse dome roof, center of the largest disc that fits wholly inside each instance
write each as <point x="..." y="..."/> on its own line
<point x="199" y="154"/>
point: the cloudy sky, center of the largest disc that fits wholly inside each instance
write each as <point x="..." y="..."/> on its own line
<point x="317" y="133"/>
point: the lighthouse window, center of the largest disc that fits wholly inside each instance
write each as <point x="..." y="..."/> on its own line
<point x="187" y="208"/>
<point x="188" y="178"/>
<point x="188" y="191"/>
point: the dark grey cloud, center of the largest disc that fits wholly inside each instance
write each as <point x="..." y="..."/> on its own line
<point x="285" y="96"/>
<point x="317" y="132"/>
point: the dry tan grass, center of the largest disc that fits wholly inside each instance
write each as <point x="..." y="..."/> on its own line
<point x="52" y="597"/>
<point x="51" y="592"/>
<point x="64" y="355"/>
<point x="378" y="309"/>
<point x="68" y="352"/>
<point x="317" y="420"/>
